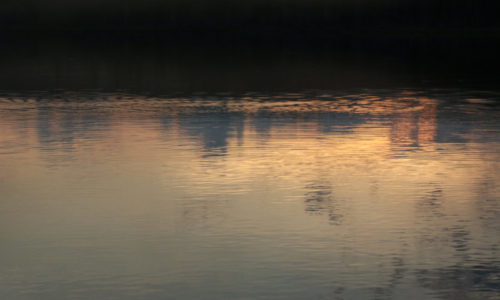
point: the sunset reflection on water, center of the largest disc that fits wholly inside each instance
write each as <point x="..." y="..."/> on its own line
<point x="343" y="195"/>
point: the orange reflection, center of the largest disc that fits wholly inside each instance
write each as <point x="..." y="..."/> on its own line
<point x="415" y="127"/>
<point x="198" y="163"/>
<point x="427" y="122"/>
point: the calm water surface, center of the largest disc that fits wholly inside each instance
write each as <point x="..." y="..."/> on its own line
<point x="371" y="194"/>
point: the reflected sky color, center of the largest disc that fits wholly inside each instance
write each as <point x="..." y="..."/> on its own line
<point x="373" y="194"/>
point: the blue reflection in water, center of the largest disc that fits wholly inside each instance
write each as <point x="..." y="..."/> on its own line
<point x="373" y="194"/>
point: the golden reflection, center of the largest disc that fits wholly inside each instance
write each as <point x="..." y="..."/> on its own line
<point x="288" y="140"/>
<point x="427" y="122"/>
<point x="294" y="146"/>
<point x="249" y="168"/>
<point x="415" y="127"/>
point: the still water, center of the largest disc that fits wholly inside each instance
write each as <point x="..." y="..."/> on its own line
<point x="359" y="194"/>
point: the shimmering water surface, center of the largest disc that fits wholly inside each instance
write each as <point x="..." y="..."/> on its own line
<point x="371" y="194"/>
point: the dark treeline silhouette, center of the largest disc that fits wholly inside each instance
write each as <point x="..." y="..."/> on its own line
<point x="156" y="45"/>
<point x="158" y="63"/>
<point x="252" y="16"/>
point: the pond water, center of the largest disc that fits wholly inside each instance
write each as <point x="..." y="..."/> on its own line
<point x="354" y="194"/>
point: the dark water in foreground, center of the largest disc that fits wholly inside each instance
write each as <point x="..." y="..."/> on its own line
<point x="362" y="194"/>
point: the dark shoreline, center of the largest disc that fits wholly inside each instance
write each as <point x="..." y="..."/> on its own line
<point x="162" y="61"/>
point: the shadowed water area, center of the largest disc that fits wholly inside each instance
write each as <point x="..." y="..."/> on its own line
<point x="346" y="194"/>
